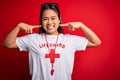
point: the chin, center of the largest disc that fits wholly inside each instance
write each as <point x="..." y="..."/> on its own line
<point x="52" y="32"/>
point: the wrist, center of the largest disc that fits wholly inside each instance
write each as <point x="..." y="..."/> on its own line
<point x="18" y="27"/>
<point x="82" y="25"/>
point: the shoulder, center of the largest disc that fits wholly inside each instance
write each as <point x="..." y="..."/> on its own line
<point x="32" y="35"/>
<point x="29" y="37"/>
<point x="71" y="36"/>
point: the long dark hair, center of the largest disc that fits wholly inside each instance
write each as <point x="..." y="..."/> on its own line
<point x="53" y="6"/>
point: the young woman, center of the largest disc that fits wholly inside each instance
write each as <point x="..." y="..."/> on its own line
<point x="51" y="53"/>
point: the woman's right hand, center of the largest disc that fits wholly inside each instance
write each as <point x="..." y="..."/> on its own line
<point x="27" y="28"/>
<point x="10" y="41"/>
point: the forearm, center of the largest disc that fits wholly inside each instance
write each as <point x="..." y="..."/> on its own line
<point x="91" y="36"/>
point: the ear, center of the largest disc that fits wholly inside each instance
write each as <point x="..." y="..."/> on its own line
<point x="60" y="20"/>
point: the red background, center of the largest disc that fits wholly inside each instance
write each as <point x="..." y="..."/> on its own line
<point x="102" y="16"/>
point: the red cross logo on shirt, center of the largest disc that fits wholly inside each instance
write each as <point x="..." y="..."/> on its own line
<point x="52" y="55"/>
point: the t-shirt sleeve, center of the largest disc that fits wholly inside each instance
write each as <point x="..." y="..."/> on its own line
<point x="22" y="43"/>
<point x="80" y="43"/>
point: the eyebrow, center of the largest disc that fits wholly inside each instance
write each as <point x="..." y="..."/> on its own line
<point x="47" y="17"/>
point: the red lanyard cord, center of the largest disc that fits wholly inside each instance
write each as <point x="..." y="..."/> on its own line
<point x="52" y="62"/>
<point x="48" y="44"/>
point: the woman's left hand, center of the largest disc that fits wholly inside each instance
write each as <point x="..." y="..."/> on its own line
<point x="72" y="25"/>
<point x="91" y="36"/>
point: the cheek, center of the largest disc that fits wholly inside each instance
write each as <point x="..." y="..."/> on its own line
<point x="44" y="23"/>
<point x="57" y="22"/>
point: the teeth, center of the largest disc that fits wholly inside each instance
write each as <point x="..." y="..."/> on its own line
<point x="50" y="27"/>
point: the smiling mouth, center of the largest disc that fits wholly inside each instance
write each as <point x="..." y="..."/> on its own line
<point x="50" y="27"/>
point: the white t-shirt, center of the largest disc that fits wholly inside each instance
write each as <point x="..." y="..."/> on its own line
<point x="40" y="66"/>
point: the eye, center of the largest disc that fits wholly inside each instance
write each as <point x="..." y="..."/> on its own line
<point x="53" y="18"/>
<point x="44" y="19"/>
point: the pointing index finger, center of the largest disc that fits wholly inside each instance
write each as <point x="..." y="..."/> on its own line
<point x="66" y="24"/>
<point x="37" y="26"/>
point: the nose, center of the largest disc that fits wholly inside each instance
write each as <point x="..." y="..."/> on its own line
<point x="49" y="21"/>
